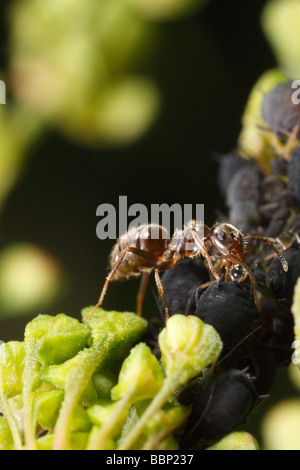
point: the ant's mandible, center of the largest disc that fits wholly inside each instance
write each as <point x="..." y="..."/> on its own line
<point x="149" y="247"/>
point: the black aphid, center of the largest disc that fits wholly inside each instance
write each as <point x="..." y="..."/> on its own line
<point x="224" y="404"/>
<point x="230" y="309"/>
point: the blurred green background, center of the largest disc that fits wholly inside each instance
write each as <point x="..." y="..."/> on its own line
<point x="107" y="99"/>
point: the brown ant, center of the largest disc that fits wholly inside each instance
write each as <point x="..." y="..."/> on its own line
<point x="149" y="247"/>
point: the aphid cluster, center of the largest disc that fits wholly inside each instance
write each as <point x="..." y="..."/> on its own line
<point x="230" y="280"/>
<point x="256" y="342"/>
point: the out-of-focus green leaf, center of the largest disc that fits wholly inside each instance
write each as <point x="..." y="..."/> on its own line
<point x="163" y="9"/>
<point x="29" y="279"/>
<point x="280" y="21"/>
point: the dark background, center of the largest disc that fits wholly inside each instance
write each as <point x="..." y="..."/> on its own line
<point x="205" y="66"/>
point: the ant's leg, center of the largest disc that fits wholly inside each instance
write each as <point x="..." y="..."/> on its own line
<point x="161" y="291"/>
<point x="268" y="242"/>
<point x="287" y="148"/>
<point x="141" y="292"/>
<point x="204" y="252"/>
<point x="227" y="268"/>
<point x="291" y="143"/>
<point x="207" y="284"/>
<point x="136" y="251"/>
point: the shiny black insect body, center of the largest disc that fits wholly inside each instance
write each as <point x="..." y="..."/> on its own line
<point x="229" y="165"/>
<point x="278" y="222"/>
<point x="276" y="338"/>
<point x="259" y="362"/>
<point x="221" y="406"/>
<point x="244" y="197"/>
<point x="282" y="283"/>
<point x="181" y="282"/>
<point x="279" y="112"/>
<point x="229" y="308"/>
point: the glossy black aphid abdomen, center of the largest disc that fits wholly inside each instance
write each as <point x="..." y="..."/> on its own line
<point x="230" y="309"/>
<point x="277" y="222"/>
<point x="244" y="197"/>
<point x="276" y="338"/>
<point x="278" y="110"/>
<point x="229" y="165"/>
<point x="224" y="404"/>
<point x="282" y="283"/>
<point x="260" y="365"/>
<point x="294" y="176"/>
<point x="179" y="283"/>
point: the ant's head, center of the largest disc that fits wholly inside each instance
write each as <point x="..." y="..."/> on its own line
<point x="228" y="240"/>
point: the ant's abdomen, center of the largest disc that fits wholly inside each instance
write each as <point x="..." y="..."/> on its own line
<point x="152" y="240"/>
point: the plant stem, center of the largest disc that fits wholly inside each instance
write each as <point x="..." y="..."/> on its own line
<point x="154" y="441"/>
<point x="8" y="415"/>
<point x="28" y="380"/>
<point x="99" y="441"/>
<point x="74" y="389"/>
<point x="156" y="404"/>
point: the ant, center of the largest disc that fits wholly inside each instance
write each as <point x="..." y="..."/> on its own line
<point x="149" y="247"/>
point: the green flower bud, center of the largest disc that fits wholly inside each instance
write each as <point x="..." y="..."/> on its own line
<point x="11" y="368"/>
<point x="45" y="442"/>
<point x="161" y="425"/>
<point x="46" y="407"/>
<point x="59" y="375"/>
<point x="80" y="420"/>
<point x="166" y="419"/>
<point x="236" y="441"/>
<point x="78" y="441"/>
<point x="168" y="444"/>
<point x="59" y="338"/>
<point x="188" y="346"/>
<point x="100" y="413"/>
<point x="103" y="382"/>
<point x="118" y="330"/>
<point x="141" y="375"/>
<point x="113" y="333"/>
<point x="110" y="444"/>
<point x="66" y="337"/>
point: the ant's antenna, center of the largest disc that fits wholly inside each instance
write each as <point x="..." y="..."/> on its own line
<point x="268" y="242"/>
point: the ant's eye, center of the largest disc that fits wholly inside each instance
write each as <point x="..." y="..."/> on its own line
<point x="221" y="235"/>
